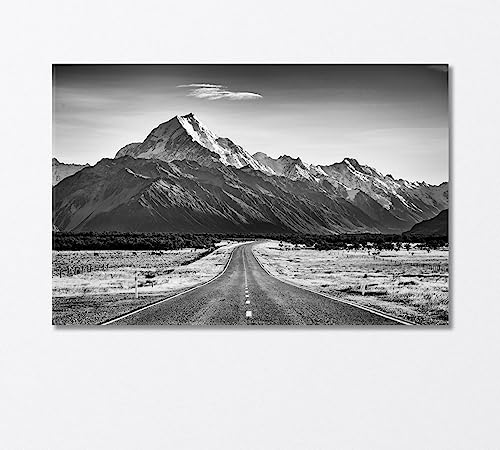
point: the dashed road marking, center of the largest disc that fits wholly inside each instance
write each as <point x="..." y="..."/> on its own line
<point x="247" y="302"/>
<point x="249" y="314"/>
<point x="245" y="268"/>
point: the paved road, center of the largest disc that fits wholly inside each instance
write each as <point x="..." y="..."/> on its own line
<point x="246" y="289"/>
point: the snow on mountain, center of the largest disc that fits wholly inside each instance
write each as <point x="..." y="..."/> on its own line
<point x="185" y="137"/>
<point x="60" y="170"/>
<point x="407" y="201"/>
<point x="149" y="195"/>
<point x="286" y="166"/>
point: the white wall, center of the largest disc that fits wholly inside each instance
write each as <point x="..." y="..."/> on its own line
<point x="238" y="388"/>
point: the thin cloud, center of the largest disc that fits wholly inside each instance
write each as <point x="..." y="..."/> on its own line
<point x="217" y="92"/>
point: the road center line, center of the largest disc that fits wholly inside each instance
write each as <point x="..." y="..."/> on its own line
<point x="245" y="268"/>
<point x="248" y="314"/>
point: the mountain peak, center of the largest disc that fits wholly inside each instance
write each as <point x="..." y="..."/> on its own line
<point x="174" y="123"/>
<point x="188" y="116"/>
<point x="284" y="165"/>
<point x="61" y="170"/>
<point x="184" y="137"/>
<point x="351" y="161"/>
<point x="290" y="158"/>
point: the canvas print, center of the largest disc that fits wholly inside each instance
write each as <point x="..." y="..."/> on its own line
<point x="247" y="195"/>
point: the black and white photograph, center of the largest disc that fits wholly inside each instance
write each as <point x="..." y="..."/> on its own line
<point x="250" y="194"/>
<point x="260" y="225"/>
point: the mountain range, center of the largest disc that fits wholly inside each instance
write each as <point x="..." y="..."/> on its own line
<point x="60" y="170"/>
<point x="184" y="178"/>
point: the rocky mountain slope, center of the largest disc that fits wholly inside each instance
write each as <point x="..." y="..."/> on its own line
<point x="437" y="226"/>
<point x="406" y="201"/>
<point x="61" y="170"/>
<point x="183" y="177"/>
<point x="136" y="194"/>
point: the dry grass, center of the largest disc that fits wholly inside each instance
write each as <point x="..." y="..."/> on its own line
<point x="410" y="285"/>
<point x="93" y="297"/>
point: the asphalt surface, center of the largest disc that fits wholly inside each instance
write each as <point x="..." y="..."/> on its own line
<point x="245" y="294"/>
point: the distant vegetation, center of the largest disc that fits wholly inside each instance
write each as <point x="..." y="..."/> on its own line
<point x="367" y="241"/>
<point x="175" y="241"/>
<point x="130" y="241"/>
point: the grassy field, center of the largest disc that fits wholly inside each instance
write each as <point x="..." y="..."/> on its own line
<point x="108" y="290"/>
<point x="412" y="285"/>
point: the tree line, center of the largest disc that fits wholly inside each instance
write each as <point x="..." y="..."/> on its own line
<point x="130" y="241"/>
<point x="174" y="241"/>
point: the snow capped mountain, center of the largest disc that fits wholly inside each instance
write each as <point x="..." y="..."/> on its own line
<point x="185" y="137"/>
<point x="286" y="166"/>
<point x="405" y="200"/>
<point x="185" y="177"/>
<point x="60" y="170"/>
<point x="140" y="194"/>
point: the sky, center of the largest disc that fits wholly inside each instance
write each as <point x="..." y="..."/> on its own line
<point x="391" y="117"/>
